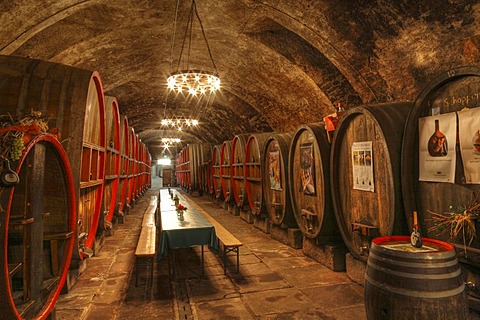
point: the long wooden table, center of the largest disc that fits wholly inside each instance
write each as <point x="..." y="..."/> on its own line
<point x="189" y="230"/>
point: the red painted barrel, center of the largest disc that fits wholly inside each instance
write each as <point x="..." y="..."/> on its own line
<point x="37" y="230"/>
<point x="124" y="165"/>
<point x="403" y="282"/>
<point x="238" y="170"/>
<point x="141" y="168"/>
<point x="112" y="168"/>
<point x="253" y="171"/>
<point x="132" y="168"/>
<point x="216" y="190"/>
<point x="226" y="170"/>
<point x="138" y="168"/>
<point x="275" y="179"/>
<point x="74" y="100"/>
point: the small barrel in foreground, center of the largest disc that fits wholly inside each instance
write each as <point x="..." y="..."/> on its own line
<point x="403" y="282"/>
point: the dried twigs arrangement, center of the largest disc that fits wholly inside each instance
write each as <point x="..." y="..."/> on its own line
<point x="458" y="223"/>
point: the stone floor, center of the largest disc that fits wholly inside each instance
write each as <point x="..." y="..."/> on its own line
<point x="275" y="281"/>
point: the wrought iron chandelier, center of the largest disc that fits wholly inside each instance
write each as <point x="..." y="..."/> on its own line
<point x="184" y="79"/>
<point x="179" y="123"/>
<point x="170" y="141"/>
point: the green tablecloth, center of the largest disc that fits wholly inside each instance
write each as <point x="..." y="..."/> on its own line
<point x="190" y="231"/>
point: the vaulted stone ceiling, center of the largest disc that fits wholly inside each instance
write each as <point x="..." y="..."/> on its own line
<point x="282" y="63"/>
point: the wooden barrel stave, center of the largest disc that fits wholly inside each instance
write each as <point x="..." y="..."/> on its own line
<point x="275" y="182"/>
<point x="363" y="215"/>
<point x="312" y="208"/>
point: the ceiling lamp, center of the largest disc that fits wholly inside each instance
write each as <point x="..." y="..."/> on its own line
<point x="170" y="141"/>
<point x="179" y="123"/>
<point x="184" y="79"/>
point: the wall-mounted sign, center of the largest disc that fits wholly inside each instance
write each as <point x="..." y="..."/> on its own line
<point x="469" y="136"/>
<point x="436" y="146"/>
<point x="362" y="160"/>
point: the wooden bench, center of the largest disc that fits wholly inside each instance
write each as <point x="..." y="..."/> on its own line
<point x="229" y="241"/>
<point x="146" y="249"/>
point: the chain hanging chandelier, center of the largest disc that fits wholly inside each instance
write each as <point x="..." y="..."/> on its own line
<point x="195" y="82"/>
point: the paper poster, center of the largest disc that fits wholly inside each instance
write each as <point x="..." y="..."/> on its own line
<point x="469" y="136"/>
<point x="274" y="170"/>
<point x="307" y="168"/>
<point x="362" y="159"/>
<point x="437" y="139"/>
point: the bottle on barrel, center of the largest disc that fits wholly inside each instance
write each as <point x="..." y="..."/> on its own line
<point x="415" y="237"/>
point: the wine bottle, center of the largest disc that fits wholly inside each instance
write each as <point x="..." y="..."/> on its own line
<point x="415" y="237"/>
<point x="437" y="144"/>
<point x="476" y="142"/>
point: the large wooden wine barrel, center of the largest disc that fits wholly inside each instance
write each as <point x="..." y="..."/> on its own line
<point x="37" y="230"/>
<point x="253" y="171"/>
<point x="138" y="166"/>
<point x="366" y="192"/>
<point x="142" y="161"/>
<point x="184" y="172"/>
<point x="309" y="178"/>
<point x="112" y="167"/>
<point x="402" y="282"/>
<point x="74" y="100"/>
<point x="450" y="92"/>
<point x="205" y="176"/>
<point x="147" y="173"/>
<point x="124" y="165"/>
<point x="201" y="153"/>
<point x="179" y="167"/>
<point x="275" y="179"/>
<point x="132" y="167"/>
<point x="238" y="169"/>
<point x="216" y="191"/>
<point x="226" y="170"/>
